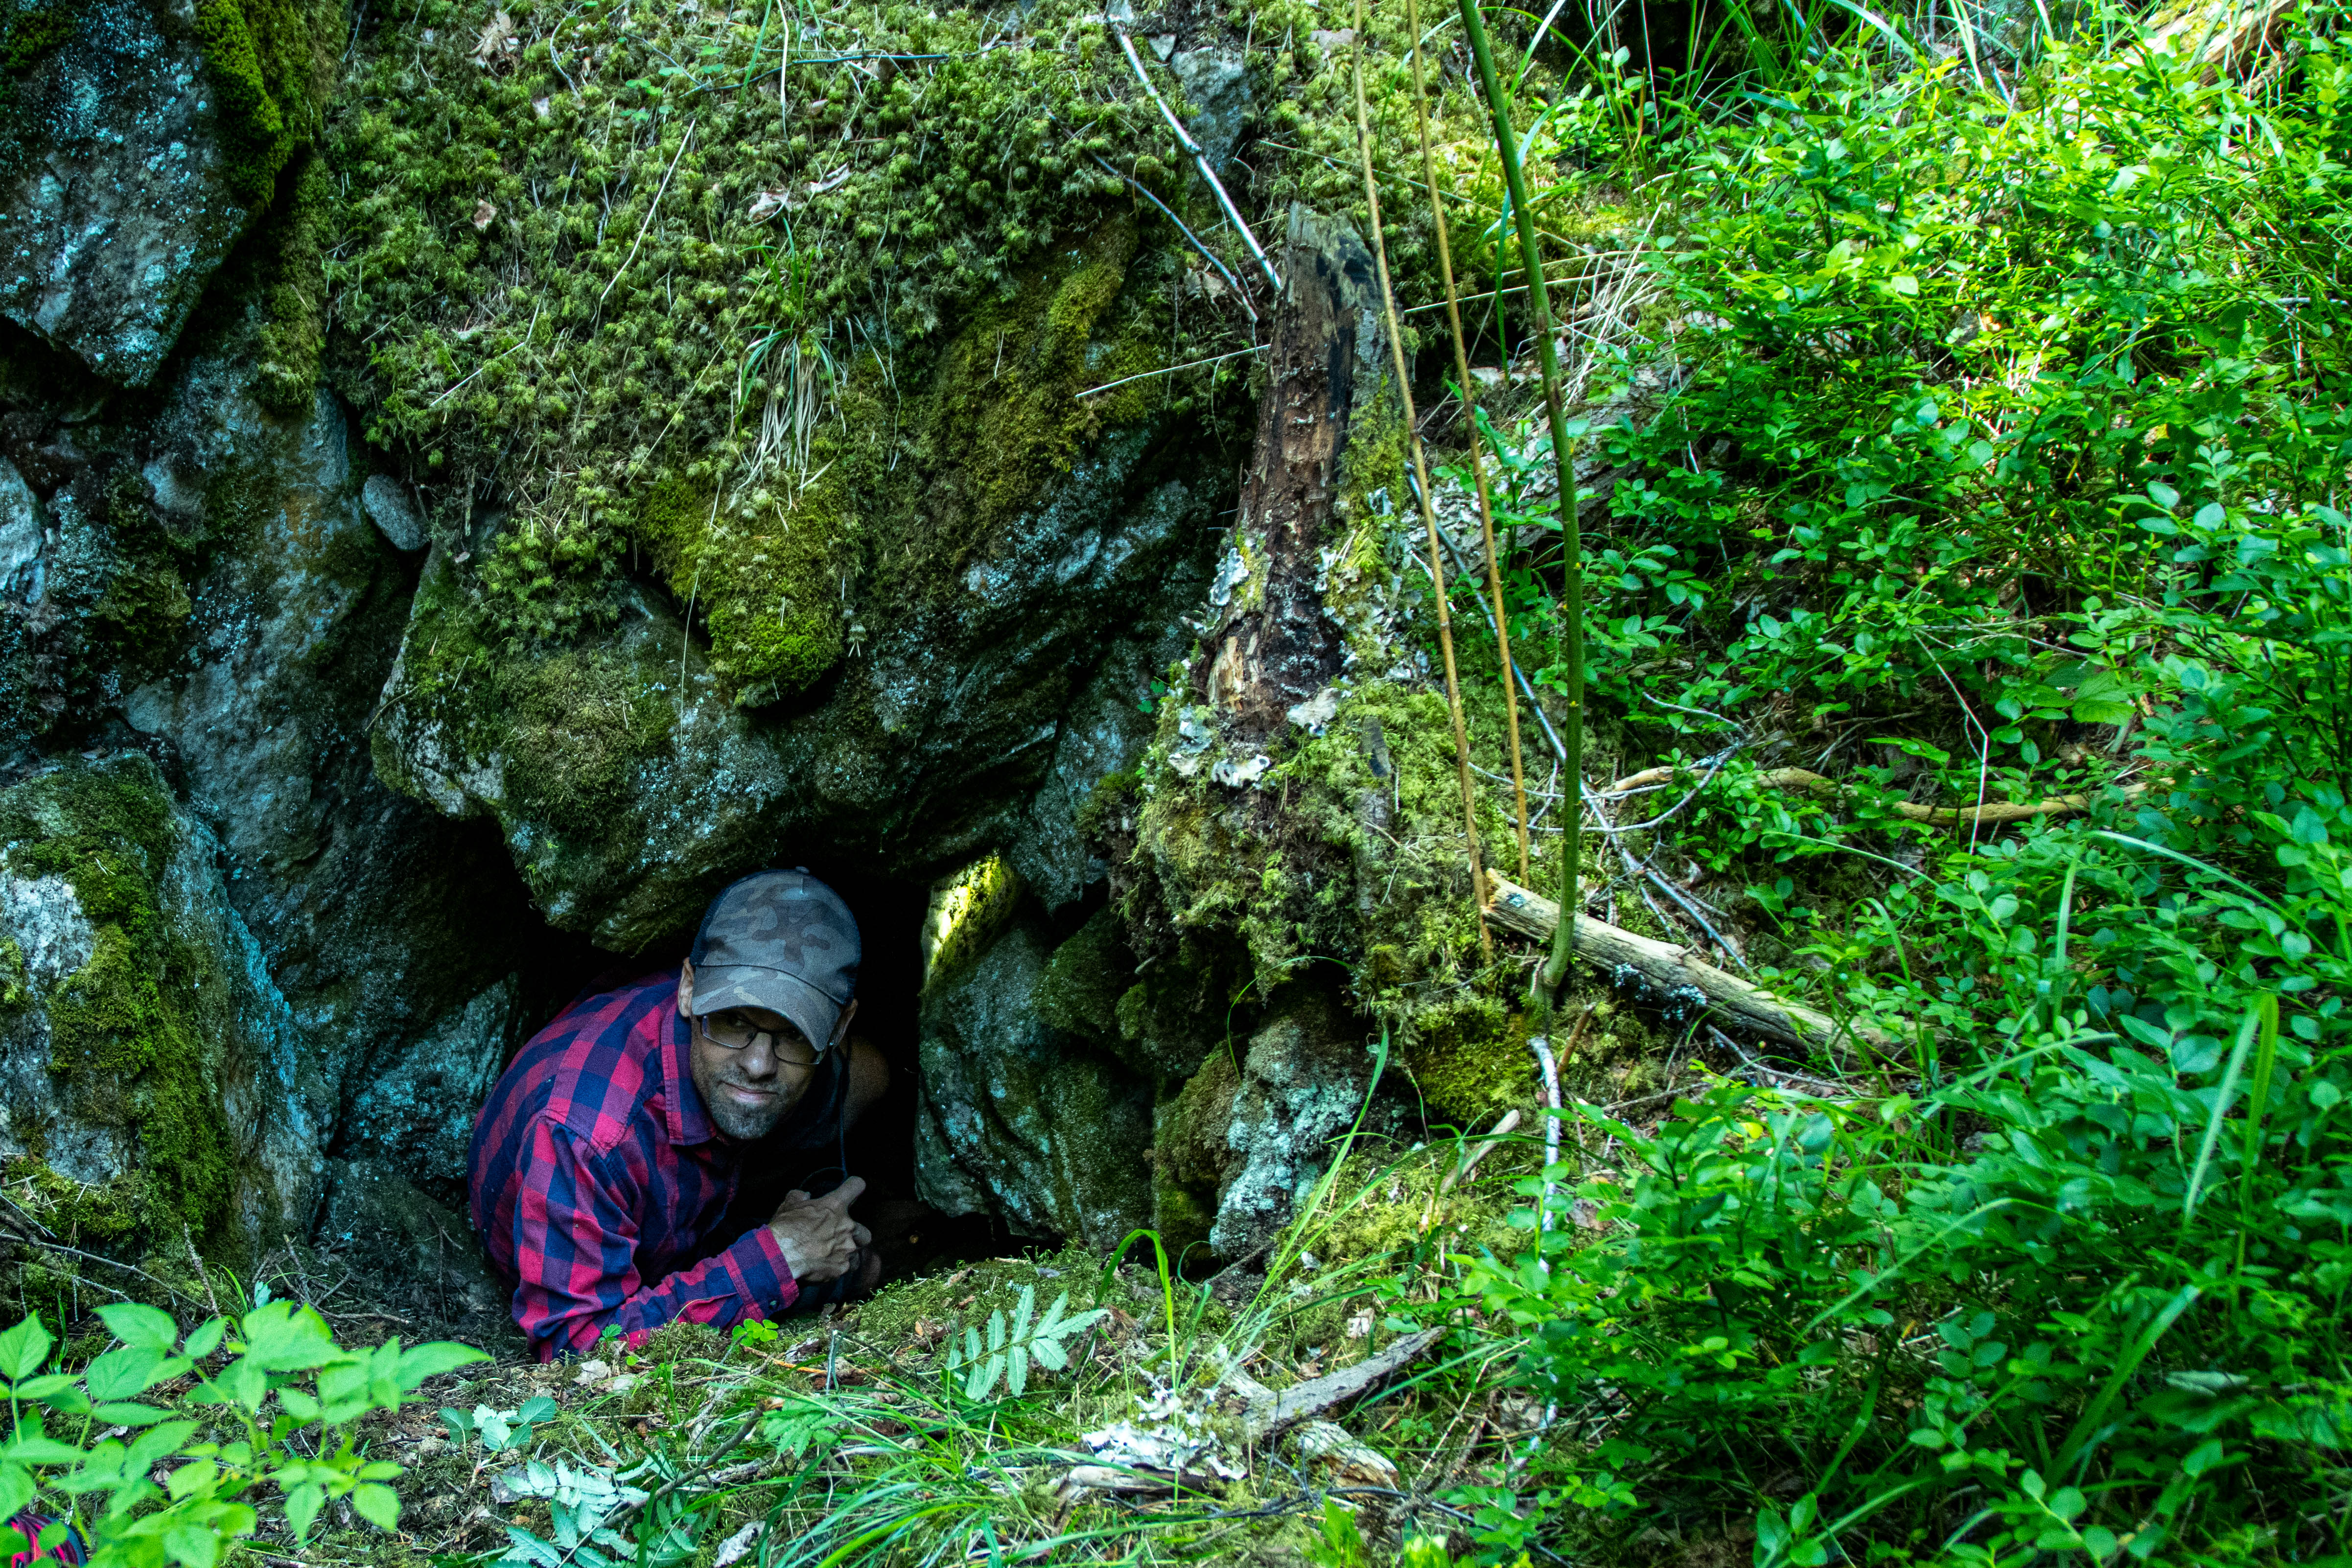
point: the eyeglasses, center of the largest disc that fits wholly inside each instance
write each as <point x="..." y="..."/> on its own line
<point x="729" y="1033"/>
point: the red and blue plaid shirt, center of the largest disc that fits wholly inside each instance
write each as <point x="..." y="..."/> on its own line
<point x="596" y="1173"/>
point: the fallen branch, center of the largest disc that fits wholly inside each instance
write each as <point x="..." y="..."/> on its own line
<point x="1993" y="814"/>
<point x="1266" y="1414"/>
<point x="1670" y="967"/>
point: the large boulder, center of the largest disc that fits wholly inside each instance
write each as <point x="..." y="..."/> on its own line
<point x="133" y="150"/>
<point x="1019" y="1119"/>
<point x="154" y="1076"/>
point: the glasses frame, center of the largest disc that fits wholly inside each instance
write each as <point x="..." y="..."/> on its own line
<point x="775" y="1043"/>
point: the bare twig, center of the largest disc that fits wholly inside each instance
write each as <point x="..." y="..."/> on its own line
<point x="1201" y="161"/>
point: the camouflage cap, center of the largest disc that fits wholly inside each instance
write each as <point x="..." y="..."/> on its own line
<point x="782" y="941"/>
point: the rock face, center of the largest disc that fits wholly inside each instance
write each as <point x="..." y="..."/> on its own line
<point x="116" y="190"/>
<point x="628" y="789"/>
<point x="1020" y="1119"/>
<point x="296" y="792"/>
<point x="397" y="934"/>
<point x="155" y="1076"/>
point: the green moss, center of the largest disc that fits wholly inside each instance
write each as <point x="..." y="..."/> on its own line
<point x="136" y="1030"/>
<point x="143" y="609"/>
<point x="576" y="725"/>
<point x="28" y="32"/>
<point x="966" y="911"/>
<point x="289" y="290"/>
<point x="1470" y="1059"/>
<point x="264" y="60"/>
<point x="806" y="423"/>
<point x="1189" y="1147"/>
<point x="1107" y="805"/>
<point x="14" y="983"/>
<point x="1190" y="1155"/>
<point x="1079" y="992"/>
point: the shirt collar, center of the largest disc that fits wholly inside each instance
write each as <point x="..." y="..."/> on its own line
<point x="689" y="1118"/>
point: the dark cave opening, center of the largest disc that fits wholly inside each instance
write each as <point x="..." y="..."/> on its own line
<point x="912" y="1237"/>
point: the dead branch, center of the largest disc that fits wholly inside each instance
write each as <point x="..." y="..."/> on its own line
<point x="1993" y="814"/>
<point x="1670" y="966"/>
<point x="1266" y="1414"/>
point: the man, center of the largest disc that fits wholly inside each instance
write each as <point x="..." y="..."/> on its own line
<point x="605" y="1164"/>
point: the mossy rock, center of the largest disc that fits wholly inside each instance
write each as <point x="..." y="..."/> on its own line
<point x="1021" y="1120"/>
<point x="147" y="1066"/>
<point x="182" y="118"/>
<point x="1079" y="992"/>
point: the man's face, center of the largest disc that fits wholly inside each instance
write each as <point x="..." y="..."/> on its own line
<point x="749" y="1089"/>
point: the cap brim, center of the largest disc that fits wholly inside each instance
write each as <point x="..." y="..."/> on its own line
<point x="749" y="985"/>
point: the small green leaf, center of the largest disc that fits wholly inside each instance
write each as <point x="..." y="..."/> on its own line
<point x="302" y="1505"/>
<point x="24" y="1348"/>
<point x="431" y="1360"/>
<point x="140" y="1326"/>
<point x="377" y="1503"/>
<point x="123" y="1373"/>
<point x="125" y="1414"/>
<point x="15" y="1490"/>
<point x="207" y="1338"/>
<point x="191" y="1544"/>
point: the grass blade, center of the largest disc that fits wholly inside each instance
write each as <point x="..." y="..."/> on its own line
<point x="2205" y="1147"/>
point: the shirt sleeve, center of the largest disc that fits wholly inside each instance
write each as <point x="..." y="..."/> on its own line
<point x="575" y="1238"/>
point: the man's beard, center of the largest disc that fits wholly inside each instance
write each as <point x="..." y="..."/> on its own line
<point x="740" y="1122"/>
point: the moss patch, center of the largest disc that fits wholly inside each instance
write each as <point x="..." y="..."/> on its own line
<point x="1079" y="992"/>
<point x="265" y="57"/>
<point x="138" y="1031"/>
<point x="574" y="726"/>
<point x="28" y="32"/>
<point x="1469" y="1057"/>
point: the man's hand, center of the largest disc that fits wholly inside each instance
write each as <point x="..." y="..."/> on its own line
<point x="819" y="1241"/>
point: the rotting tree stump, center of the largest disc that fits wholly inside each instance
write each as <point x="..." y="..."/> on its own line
<point x="1274" y="645"/>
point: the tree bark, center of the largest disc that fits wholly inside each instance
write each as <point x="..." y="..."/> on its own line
<point x="1671" y="967"/>
<point x="1273" y="646"/>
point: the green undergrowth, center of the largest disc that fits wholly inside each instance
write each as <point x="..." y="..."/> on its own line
<point x="872" y="1436"/>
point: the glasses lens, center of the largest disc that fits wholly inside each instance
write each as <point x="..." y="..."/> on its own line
<point x="732" y="1033"/>
<point x="728" y="1030"/>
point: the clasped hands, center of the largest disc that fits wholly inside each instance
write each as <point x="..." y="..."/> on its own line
<point x="819" y="1239"/>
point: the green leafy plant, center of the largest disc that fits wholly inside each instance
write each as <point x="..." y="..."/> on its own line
<point x="1013" y="1344"/>
<point x="273" y="1413"/>
<point x="499" y="1431"/>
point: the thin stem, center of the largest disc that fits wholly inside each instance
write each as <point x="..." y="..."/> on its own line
<point x="1428" y="513"/>
<point x="1555" y="969"/>
<point x="1470" y="414"/>
<point x="1201" y="161"/>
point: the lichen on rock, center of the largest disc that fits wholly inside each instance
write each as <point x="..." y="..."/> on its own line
<point x="136" y="142"/>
